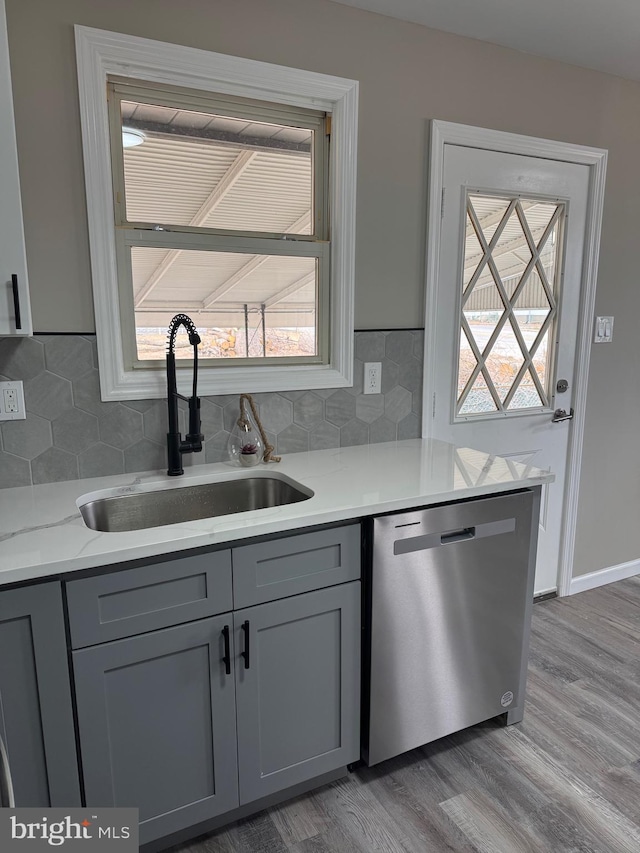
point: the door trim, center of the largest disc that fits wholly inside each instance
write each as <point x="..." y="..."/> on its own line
<point x="443" y="133"/>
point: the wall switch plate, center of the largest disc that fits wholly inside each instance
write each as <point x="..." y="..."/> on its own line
<point x="604" y="330"/>
<point x="372" y="377"/>
<point x="12" y="402"/>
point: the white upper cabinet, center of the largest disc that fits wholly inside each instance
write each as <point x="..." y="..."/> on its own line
<point x="15" y="310"/>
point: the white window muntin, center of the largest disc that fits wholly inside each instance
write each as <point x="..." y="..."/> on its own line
<point x="552" y="324"/>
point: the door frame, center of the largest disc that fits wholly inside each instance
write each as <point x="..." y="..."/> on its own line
<point x="449" y="133"/>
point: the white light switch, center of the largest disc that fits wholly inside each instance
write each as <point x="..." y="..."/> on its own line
<point x="604" y="330"/>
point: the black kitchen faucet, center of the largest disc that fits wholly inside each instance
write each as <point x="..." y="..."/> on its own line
<point x="193" y="442"/>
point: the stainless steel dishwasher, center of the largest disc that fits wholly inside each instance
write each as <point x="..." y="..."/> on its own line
<point x="451" y="590"/>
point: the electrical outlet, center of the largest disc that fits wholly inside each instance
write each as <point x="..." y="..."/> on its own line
<point x="12" y="402"/>
<point x="372" y="377"/>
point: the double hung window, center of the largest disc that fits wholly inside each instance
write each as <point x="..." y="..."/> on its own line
<point x="220" y="213"/>
<point x="225" y="189"/>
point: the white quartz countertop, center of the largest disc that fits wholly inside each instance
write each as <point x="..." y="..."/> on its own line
<point x="42" y="532"/>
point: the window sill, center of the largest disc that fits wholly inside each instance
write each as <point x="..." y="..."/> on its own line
<point x="145" y="384"/>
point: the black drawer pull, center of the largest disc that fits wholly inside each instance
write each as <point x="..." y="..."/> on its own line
<point x="16" y="300"/>
<point x="226" y="659"/>
<point x="245" y="653"/>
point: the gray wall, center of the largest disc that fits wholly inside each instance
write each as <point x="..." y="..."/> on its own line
<point x="408" y="74"/>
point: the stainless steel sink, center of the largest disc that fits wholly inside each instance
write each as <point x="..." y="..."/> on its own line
<point x="143" y="509"/>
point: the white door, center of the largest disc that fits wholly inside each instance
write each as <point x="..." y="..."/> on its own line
<point x="507" y="311"/>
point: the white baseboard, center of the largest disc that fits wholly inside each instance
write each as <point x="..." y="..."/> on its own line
<point x="604" y="576"/>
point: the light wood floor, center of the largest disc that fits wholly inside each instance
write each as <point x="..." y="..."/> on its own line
<point x="566" y="780"/>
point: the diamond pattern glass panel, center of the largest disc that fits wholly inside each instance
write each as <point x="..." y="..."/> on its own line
<point x="514" y="298"/>
<point x="532" y="301"/>
<point x="526" y="395"/>
<point x="483" y="312"/>
<point x="489" y="211"/>
<point x="548" y="253"/>
<point x="467" y="363"/>
<point x="511" y="254"/>
<point x="504" y="361"/>
<point x="512" y="266"/>
<point x="473" y="253"/>
<point x="542" y="359"/>
<point x="538" y="215"/>
<point x="479" y="399"/>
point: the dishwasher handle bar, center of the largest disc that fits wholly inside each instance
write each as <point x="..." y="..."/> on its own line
<point x="449" y="537"/>
<point x="457" y="535"/>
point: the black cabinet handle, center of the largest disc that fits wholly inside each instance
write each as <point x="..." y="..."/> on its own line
<point x="245" y="653"/>
<point x="226" y="659"/>
<point x="16" y="300"/>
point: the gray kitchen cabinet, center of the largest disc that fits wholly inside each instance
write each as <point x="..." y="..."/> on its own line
<point x="15" y="309"/>
<point x="297" y="688"/>
<point x="36" y="717"/>
<point x="156" y="715"/>
<point x="187" y="720"/>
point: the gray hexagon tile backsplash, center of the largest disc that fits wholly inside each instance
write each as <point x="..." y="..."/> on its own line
<point x="70" y="433"/>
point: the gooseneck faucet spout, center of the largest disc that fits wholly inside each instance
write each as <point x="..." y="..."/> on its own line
<point x="193" y="442"/>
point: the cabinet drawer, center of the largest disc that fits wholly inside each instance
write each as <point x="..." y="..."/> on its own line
<point x="282" y="567"/>
<point x="134" y="601"/>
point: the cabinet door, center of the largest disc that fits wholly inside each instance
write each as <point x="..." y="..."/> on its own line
<point x="156" y="715"/>
<point x="298" y="693"/>
<point x="36" y="717"/>
<point x="13" y="263"/>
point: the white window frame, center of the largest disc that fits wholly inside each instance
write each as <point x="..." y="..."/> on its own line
<point x="101" y="53"/>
